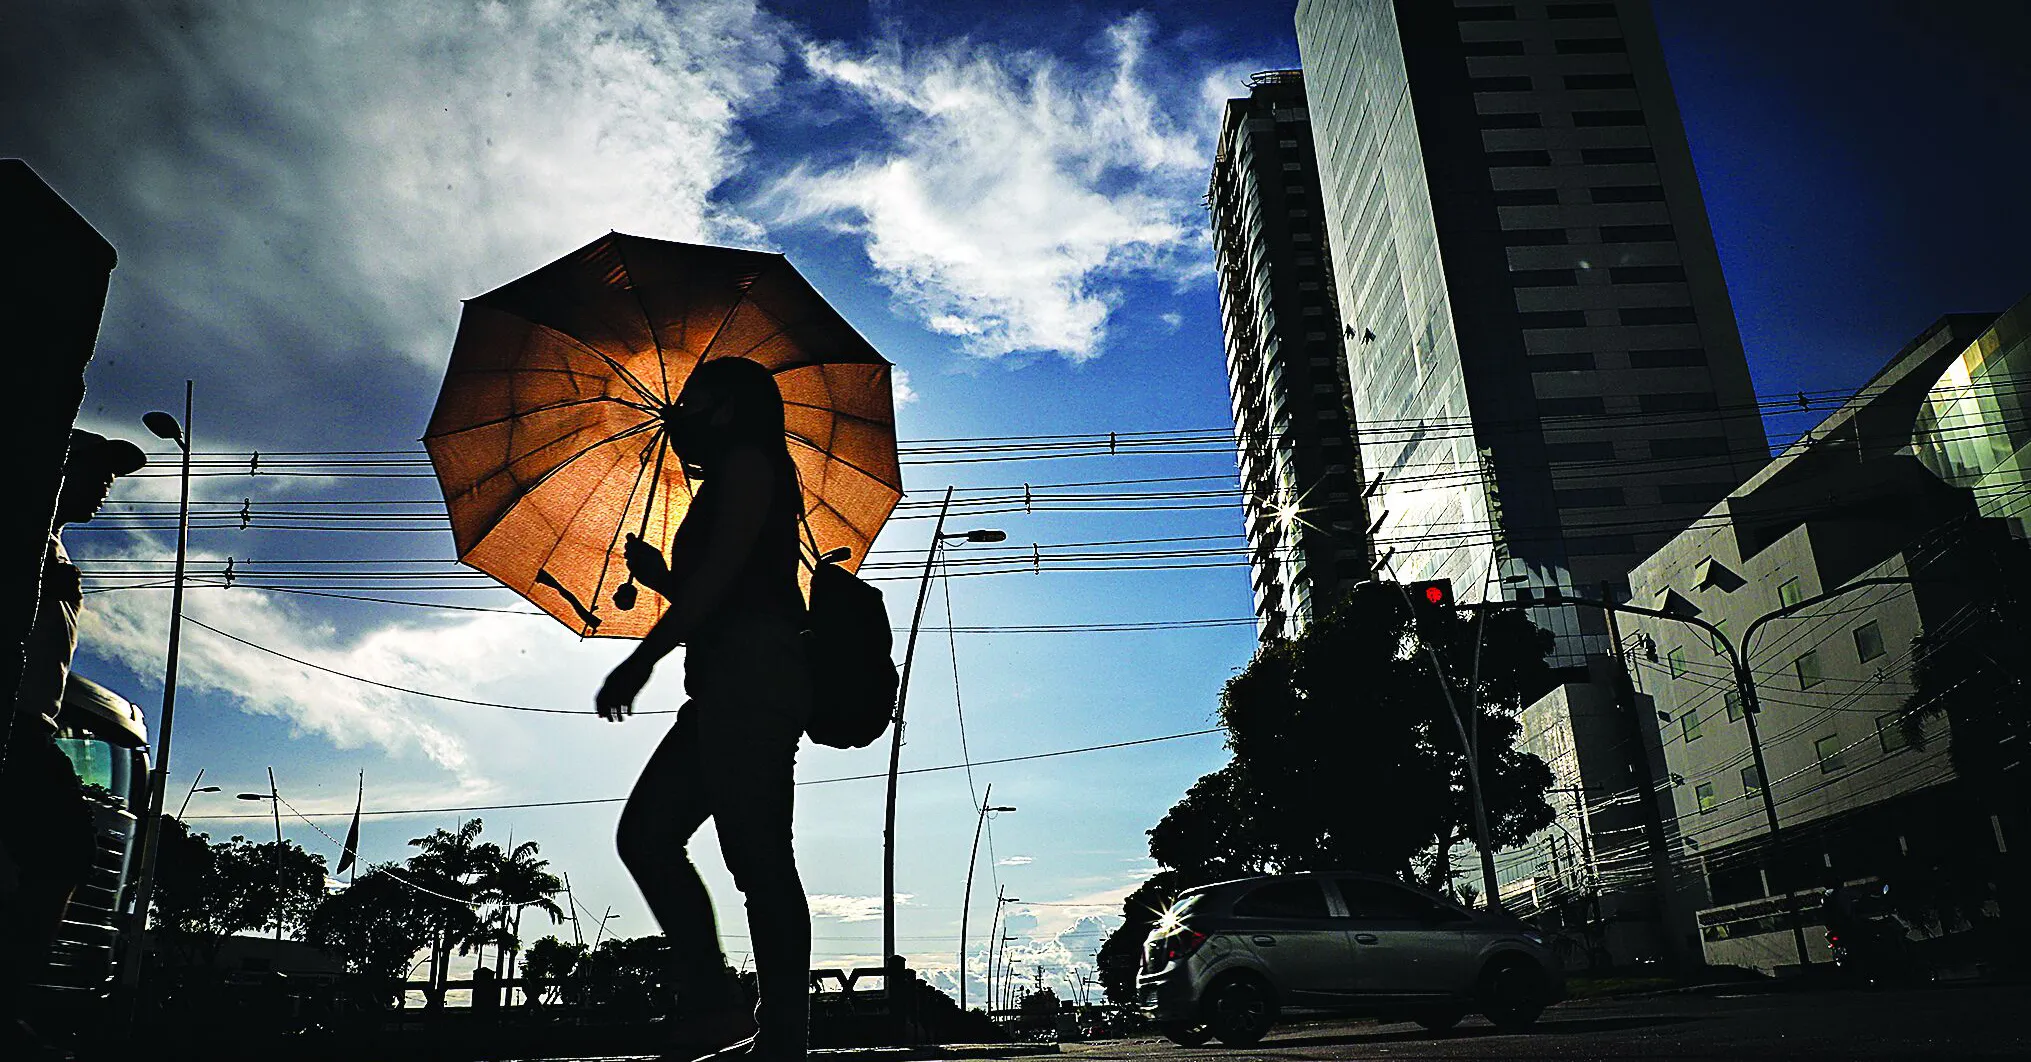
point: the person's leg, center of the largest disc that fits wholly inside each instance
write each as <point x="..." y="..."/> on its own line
<point x="666" y="807"/>
<point x="752" y="811"/>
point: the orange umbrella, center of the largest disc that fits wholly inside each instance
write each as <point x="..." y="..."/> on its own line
<point x="548" y="437"/>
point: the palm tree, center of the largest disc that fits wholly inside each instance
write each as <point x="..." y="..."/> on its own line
<point x="450" y="865"/>
<point x="516" y="881"/>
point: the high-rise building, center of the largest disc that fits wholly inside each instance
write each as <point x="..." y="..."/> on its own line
<point x="1544" y="364"/>
<point x="1300" y="472"/>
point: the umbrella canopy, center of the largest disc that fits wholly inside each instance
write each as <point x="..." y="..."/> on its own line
<point x="548" y="437"/>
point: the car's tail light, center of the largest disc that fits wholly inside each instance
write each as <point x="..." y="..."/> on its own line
<point x="1181" y="944"/>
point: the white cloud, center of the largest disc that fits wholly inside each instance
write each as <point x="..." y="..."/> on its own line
<point x="899" y="384"/>
<point x="852" y="908"/>
<point x="1172" y="321"/>
<point x="1015" y="861"/>
<point x="1017" y="191"/>
<point x="356" y="168"/>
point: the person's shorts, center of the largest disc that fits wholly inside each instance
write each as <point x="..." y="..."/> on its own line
<point x="46" y="824"/>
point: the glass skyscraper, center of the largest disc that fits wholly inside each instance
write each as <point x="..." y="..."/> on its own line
<point x="1546" y="377"/>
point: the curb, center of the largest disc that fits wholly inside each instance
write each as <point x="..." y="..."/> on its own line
<point x="929" y="1052"/>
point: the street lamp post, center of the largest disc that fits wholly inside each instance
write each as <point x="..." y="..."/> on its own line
<point x="938" y="538"/>
<point x="274" y="800"/>
<point x="966" y="902"/>
<point x="609" y="916"/>
<point x="1745" y="688"/>
<point x="166" y="427"/>
<point x="194" y="790"/>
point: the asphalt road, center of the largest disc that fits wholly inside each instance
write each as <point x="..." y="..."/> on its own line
<point x="1945" y="1023"/>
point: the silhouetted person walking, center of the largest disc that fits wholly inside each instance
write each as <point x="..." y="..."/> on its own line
<point x="46" y="829"/>
<point x="734" y="603"/>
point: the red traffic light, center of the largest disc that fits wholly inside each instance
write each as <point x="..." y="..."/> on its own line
<point x="1435" y="593"/>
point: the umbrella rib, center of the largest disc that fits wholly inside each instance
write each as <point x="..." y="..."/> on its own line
<point x="551" y="408"/>
<point x="626" y="376"/>
<point x="633" y="429"/>
<point x="662" y="366"/>
<point x="731" y="309"/>
<point x="607" y="561"/>
<point x="897" y="487"/>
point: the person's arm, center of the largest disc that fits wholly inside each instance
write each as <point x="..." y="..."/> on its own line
<point x="742" y="487"/>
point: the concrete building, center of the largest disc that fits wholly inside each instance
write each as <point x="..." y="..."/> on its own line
<point x="1300" y="474"/>
<point x="1546" y="375"/>
<point x="1892" y="486"/>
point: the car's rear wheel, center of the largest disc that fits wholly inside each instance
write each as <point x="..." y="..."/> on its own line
<point x="1441" y="1019"/>
<point x="1241" y="1011"/>
<point x="1186" y="1034"/>
<point x="1512" y="994"/>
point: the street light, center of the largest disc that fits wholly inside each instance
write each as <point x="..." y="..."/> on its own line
<point x="938" y="538"/>
<point x="609" y="916"/>
<point x="195" y="789"/>
<point x="166" y="427"/>
<point x="1745" y="688"/>
<point x="966" y="903"/>
<point x="994" y="936"/>
<point x="274" y="800"/>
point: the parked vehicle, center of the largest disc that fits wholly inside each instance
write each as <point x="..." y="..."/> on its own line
<point x="1227" y="960"/>
<point x="106" y="740"/>
<point x="1871" y="944"/>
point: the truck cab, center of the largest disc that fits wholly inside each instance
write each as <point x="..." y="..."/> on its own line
<point x="106" y="739"/>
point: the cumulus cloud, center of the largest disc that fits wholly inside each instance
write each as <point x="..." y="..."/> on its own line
<point x="356" y="168"/>
<point x="1014" y="189"/>
<point x="852" y="908"/>
<point x="899" y="384"/>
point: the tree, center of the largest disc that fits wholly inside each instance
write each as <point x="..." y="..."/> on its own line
<point x="1039" y="1009"/>
<point x="375" y="926"/>
<point x="205" y="891"/>
<point x="449" y="866"/>
<point x="551" y="959"/>
<point x="1347" y="755"/>
<point x="514" y="882"/>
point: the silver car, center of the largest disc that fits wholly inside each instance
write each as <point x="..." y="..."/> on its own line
<point x="1226" y="960"/>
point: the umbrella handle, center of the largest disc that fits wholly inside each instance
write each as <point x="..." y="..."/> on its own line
<point x="624" y="596"/>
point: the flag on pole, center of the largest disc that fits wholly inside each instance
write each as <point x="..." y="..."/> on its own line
<point x="353" y="832"/>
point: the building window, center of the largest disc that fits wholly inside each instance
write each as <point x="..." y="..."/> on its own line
<point x="1519" y="158"/>
<point x="1657" y="315"/>
<point x="1807" y="667"/>
<point x="1586" y="497"/>
<point x="1292" y="166"/>
<point x="1676" y="358"/>
<point x="1752" y="779"/>
<point x="1689" y="726"/>
<point x="1790" y="592"/>
<point x="1631" y="193"/>
<point x="1552" y="319"/>
<point x="1543" y="278"/>
<point x="1578" y="452"/>
<point x="1868" y="641"/>
<point x="1637" y="233"/>
<point x="1499" y="84"/>
<point x="1592" y="119"/>
<point x="1704" y="793"/>
<point x="1707" y="446"/>
<point x="1827" y="751"/>
<point x="1528" y="197"/>
<point x="1674" y="662"/>
<point x="1614" y="155"/>
<point x="1561" y="363"/>
<point x="1489" y="13"/>
<point x="1590" y="46"/>
<point x="1664" y="274"/>
<point x="1600" y="81"/>
<point x="1491" y="48"/>
<point x="1534" y="238"/>
<point x="1511" y="121"/>
<point x="1890" y="731"/>
<point x="1580" y="10"/>
<point x="1733" y="701"/>
<point x="1679" y="402"/>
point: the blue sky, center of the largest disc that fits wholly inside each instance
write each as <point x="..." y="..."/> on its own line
<point x="1005" y="203"/>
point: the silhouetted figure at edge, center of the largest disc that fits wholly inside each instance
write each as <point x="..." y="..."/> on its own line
<point x="734" y="603"/>
<point x="46" y="833"/>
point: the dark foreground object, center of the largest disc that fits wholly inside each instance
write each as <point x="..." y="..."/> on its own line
<point x="1941" y="1023"/>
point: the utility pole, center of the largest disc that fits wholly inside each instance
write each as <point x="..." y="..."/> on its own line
<point x="577" y="937"/>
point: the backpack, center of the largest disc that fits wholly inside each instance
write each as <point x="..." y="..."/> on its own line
<point x="853" y="678"/>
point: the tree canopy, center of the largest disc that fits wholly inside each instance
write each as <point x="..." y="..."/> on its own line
<point x="1347" y="755"/>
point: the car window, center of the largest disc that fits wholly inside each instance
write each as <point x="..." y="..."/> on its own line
<point x="1284" y="899"/>
<point x="1383" y="902"/>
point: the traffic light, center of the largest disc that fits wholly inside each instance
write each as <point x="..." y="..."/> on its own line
<point x="1432" y="593"/>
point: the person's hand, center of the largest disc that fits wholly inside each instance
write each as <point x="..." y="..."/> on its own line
<point x="645" y="562"/>
<point x="615" y="700"/>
